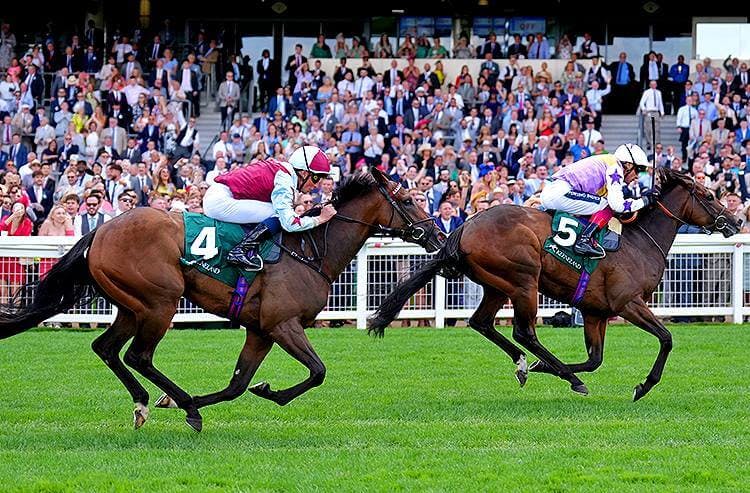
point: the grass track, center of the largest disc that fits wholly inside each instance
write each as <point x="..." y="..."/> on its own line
<point x="422" y="409"/>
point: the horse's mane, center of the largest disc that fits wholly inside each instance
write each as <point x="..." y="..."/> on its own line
<point x="353" y="186"/>
<point x="669" y="179"/>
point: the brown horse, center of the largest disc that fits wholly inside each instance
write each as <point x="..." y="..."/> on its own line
<point x="134" y="261"/>
<point x="501" y="249"/>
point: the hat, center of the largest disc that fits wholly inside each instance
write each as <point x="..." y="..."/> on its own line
<point x="589" y="120"/>
<point x="36" y="161"/>
<point x="419" y="89"/>
<point x="424" y="147"/>
<point x="72" y="80"/>
<point x="511" y="181"/>
<point x="467" y="139"/>
<point x="73" y="157"/>
<point x="25" y="105"/>
<point x="486" y="143"/>
<point x="485" y="169"/>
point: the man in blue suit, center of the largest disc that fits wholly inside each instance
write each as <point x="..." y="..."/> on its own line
<point x="447" y="222"/>
<point x="18" y="151"/>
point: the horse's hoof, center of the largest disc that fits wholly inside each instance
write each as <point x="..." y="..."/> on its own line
<point x="580" y="389"/>
<point x="522" y="370"/>
<point x="639" y="391"/>
<point x="165" y="402"/>
<point x="260" y="388"/>
<point x="195" y="422"/>
<point x="140" y="415"/>
<point x="521" y="377"/>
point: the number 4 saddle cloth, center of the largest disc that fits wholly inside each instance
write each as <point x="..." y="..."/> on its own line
<point x="565" y="230"/>
<point x="207" y="242"/>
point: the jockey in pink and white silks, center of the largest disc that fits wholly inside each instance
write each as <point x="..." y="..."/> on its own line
<point x="263" y="193"/>
<point x="594" y="186"/>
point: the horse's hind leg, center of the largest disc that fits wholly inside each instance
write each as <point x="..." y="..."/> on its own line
<point x="639" y="314"/>
<point x="290" y="335"/>
<point x="256" y="348"/>
<point x="594" y="329"/>
<point x="524" y="332"/>
<point x="108" y="345"/>
<point x="154" y="322"/>
<point x="483" y="321"/>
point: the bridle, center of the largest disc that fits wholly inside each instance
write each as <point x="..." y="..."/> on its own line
<point x="413" y="232"/>
<point x="720" y="224"/>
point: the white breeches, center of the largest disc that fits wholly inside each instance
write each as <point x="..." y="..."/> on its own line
<point x="558" y="195"/>
<point x="219" y="204"/>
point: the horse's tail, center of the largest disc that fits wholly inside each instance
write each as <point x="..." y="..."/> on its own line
<point x="446" y="260"/>
<point x="65" y="284"/>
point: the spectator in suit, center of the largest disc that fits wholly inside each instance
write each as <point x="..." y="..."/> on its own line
<point x="447" y="221"/>
<point x="623" y="81"/>
<point x="279" y="103"/>
<point x="539" y="49"/>
<point x="189" y="85"/>
<point x="588" y="47"/>
<point x="187" y="140"/>
<point x="91" y="63"/>
<point x="150" y="133"/>
<point x="41" y="195"/>
<point x="566" y="117"/>
<point x="17" y="151"/>
<point x="92" y="218"/>
<point x="228" y="97"/>
<point x="491" y="46"/>
<point x="130" y="66"/>
<point x="414" y="115"/>
<point x="293" y="63"/>
<point x="266" y="78"/>
<point x="142" y="185"/>
<point x="117" y="133"/>
<point x="34" y="82"/>
<point x="393" y="74"/>
<point x="517" y="48"/>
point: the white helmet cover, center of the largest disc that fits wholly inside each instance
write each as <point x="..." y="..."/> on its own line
<point x="631" y="153"/>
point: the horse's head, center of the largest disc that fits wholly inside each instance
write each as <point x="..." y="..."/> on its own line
<point x="399" y="216"/>
<point x="689" y="202"/>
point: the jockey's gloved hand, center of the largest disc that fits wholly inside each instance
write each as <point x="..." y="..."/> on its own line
<point x="650" y="197"/>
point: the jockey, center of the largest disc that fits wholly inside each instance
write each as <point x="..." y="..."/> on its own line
<point x="594" y="186"/>
<point x="263" y="193"/>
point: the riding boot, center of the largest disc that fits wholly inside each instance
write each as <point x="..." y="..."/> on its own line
<point x="246" y="252"/>
<point x="587" y="245"/>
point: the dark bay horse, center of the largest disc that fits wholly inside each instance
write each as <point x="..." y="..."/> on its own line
<point x="134" y="261"/>
<point x="501" y="249"/>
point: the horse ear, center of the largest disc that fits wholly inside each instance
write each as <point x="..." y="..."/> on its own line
<point x="378" y="175"/>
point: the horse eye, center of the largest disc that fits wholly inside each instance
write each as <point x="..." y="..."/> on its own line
<point x="709" y="196"/>
<point x="408" y="202"/>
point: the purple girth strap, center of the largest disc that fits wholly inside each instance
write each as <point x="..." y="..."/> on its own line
<point x="238" y="298"/>
<point x="583" y="282"/>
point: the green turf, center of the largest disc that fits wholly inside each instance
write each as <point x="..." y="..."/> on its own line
<point x="423" y="409"/>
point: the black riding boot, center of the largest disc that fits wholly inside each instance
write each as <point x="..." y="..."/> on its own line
<point x="246" y="252"/>
<point x="587" y="245"/>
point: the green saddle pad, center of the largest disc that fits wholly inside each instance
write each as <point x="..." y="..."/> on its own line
<point x="565" y="230"/>
<point x="207" y="242"/>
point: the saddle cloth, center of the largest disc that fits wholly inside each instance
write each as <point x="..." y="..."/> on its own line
<point x="207" y="242"/>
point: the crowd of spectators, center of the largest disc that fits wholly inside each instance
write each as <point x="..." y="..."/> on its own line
<point x="113" y="126"/>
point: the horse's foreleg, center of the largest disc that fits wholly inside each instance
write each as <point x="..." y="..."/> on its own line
<point x="483" y="321"/>
<point x="638" y="313"/>
<point x="290" y="335"/>
<point x="524" y="332"/>
<point x="594" y="329"/>
<point x="255" y="350"/>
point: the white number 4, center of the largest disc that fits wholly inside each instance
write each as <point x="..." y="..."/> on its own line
<point x="207" y="236"/>
<point x="566" y="227"/>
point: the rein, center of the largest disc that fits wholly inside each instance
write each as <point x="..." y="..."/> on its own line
<point x="412" y="232"/>
<point x="719" y="224"/>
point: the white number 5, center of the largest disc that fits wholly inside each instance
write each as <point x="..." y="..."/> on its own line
<point x="566" y="227"/>
<point x="207" y="236"/>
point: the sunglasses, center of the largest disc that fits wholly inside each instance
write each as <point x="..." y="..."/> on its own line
<point x="91" y="205"/>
